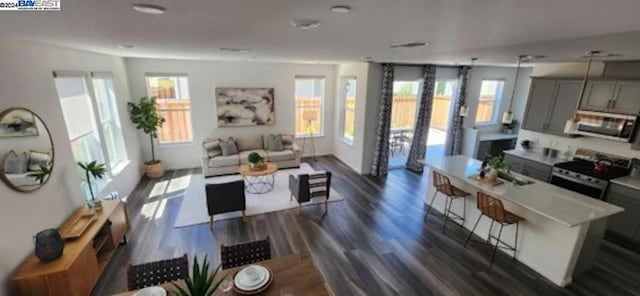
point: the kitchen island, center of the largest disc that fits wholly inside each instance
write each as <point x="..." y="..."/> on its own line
<point x="562" y="231"/>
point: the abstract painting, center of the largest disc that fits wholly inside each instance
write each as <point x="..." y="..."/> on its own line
<point x="243" y="106"/>
<point x="18" y="123"/>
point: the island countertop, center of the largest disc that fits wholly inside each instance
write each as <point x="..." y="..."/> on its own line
<point x="561" y="205"/>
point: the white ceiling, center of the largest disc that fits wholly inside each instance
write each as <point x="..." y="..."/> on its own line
<point x="493" y="30"/>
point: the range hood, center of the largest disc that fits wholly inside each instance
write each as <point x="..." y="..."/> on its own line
<point x="614" y="127"/>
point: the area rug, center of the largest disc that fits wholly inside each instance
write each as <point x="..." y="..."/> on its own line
<point x="193" y="210"/>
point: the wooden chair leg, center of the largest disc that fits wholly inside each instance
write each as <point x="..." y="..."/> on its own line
<point x="244" y="217"/>
<point x="299" y="209"/>
<point x="211" y="221"/>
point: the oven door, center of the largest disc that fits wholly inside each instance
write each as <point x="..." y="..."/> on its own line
<point x="578" y="186"/>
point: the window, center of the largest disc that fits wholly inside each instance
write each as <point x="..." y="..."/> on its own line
<point x="309" y="94"/>
<point x="349" y="108"/>
<point x="403" y="109"/>
<point x="489" y="101"/>
<point x="109" y="119"/>
<point x="78" y="111"/>
<point x="172" y="96"/>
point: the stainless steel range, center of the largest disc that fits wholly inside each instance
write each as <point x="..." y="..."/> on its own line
<point x="589" y="172"/>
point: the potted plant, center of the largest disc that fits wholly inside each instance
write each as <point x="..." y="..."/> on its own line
<point x="42" y="174"/>
<point x="145" y="116"/>
<point x="256" y="162"/>
<point x="496" y="164"/>
<point x="97" y="171"/>
<point x="201" y="281"/>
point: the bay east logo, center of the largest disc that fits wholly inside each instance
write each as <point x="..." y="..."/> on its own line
<point x="30" y="5"/>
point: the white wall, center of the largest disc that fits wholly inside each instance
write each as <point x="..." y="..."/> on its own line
<point x="576" y="70"/>
<point x="205" y="76"/>
<point x="27" y="81"/>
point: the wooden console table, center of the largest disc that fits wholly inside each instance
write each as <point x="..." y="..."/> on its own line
<point x="83" y="260"/>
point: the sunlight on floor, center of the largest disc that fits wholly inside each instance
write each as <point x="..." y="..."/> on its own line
<point x="148" y="209"/>
<point x="160" y="211"/>
<point x="158" y="189"/>
<point x="179" y="184"/>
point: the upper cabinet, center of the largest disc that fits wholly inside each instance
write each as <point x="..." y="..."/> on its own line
<point x="551" y="103"/>
<point x="613" y="96"/>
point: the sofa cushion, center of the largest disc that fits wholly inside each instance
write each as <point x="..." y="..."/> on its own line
<point x="287" y="142"/>
<point x="275" y="143"/>
<point x="244" y="155"/>
<point x="229" y="147"/>
<point x="15" y="163"/>
<point x="38" y="159"/>
<point x="224" y="161"/>
<point x="212" y="147"/>
<point x="249" y="143"/>
<point x="281" y="155"/>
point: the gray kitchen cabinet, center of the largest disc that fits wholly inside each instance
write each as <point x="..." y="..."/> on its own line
<point x="598" y="95"/>
<point x="529" y="168"/>
<point x="540" y="100"/>
<point x="627" y="223"/>
<point x="626" y="98"/>
<point x="552" y="101"/>
<point x="566" y="97"/>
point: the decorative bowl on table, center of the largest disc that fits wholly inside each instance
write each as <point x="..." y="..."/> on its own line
<point x="252" y="280"/>
<point x="151" y="291"/>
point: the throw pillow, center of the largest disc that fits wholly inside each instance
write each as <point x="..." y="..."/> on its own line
<point x="275" y="143"/>
<point x="212" y="148"/>
<point x="14" y="163"/>
<point x="228" y="147"/>
<point x="37" y="159"/>
<point x="287" y="142"/>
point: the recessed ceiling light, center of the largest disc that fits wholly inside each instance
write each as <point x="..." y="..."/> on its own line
<point x="409" y="44"/>
<point x="149" y="8"/>
<point x="341" y="9"/>
<point x="305" y="24"/>
<point x="234" y="50"/>
<point x="127" y="46"/>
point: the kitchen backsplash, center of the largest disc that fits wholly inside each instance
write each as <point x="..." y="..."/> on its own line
<point x="563" y="144"/>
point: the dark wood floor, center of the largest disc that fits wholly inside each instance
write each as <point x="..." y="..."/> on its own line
<point x="376" y="242"/>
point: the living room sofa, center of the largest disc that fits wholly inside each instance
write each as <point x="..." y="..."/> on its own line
<point x="216" y="165"/>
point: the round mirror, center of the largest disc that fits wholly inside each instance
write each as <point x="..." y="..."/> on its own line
<point x="26" y="150"/>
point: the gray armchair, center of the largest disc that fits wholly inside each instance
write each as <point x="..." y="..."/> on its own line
<point x="225" y="198"/>
<point x="307" y="186"/>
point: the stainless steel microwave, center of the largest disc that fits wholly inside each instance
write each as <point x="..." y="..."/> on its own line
<point x="609" y="126"/>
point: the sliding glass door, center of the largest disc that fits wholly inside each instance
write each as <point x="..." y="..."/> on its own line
<point x="403" y="117"/>
<point x="440" y="117"/>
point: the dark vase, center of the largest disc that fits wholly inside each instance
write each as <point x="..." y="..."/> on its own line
<point x="49" y="245"/>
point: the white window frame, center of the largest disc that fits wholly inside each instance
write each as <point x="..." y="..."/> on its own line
<point x="497" y="102"/>
<point x="115" y="120"/>
<point x="111" y="172"/>
<point x="343" y="109"/>
<point x="176" y="75"/>
<point x="322" y="105"/>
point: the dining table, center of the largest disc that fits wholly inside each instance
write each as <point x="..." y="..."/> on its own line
<point x="292" y="275"/>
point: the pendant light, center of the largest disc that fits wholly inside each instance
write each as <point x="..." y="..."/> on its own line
<point x="570" y="126"/>
<point x="507" y="116"/>
<point x="464" y="109"/>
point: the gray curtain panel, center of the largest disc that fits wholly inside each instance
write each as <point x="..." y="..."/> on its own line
<point x="421" y="130"/>
<point x="380" y="165"/>
<point x="454" y="140"/>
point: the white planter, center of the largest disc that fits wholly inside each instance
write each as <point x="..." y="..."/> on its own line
<point x="492" y="175"/>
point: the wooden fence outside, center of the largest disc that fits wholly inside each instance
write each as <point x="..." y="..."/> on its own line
<point x="177" y="125"/>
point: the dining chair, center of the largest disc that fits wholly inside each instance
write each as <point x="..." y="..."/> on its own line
<point x="158" y="272"/>
<point x="245" y="253"/>
<point x="225" y="198"/>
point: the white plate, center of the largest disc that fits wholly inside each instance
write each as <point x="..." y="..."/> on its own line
<point x="151" y="291"/>
<point x="243" y="281"/>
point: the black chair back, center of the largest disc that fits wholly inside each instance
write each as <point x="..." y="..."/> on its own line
<point x="157" y="272"/>
<point x="245" y="253"/>
<point x="225" y="197"/>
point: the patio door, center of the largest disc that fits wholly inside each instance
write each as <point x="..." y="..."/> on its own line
<point x="440" y="117"/>
<point x="403" y="118"/>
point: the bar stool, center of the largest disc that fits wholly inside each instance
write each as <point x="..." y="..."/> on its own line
<point x="443" y="185"/>
<point x="492" y="208"/>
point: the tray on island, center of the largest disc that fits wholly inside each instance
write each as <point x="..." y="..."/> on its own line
<point x="76" y="228"/>
<point x="486" y="181"/>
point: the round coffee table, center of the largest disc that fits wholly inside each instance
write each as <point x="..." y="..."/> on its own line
<point x="258" y="182"/>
